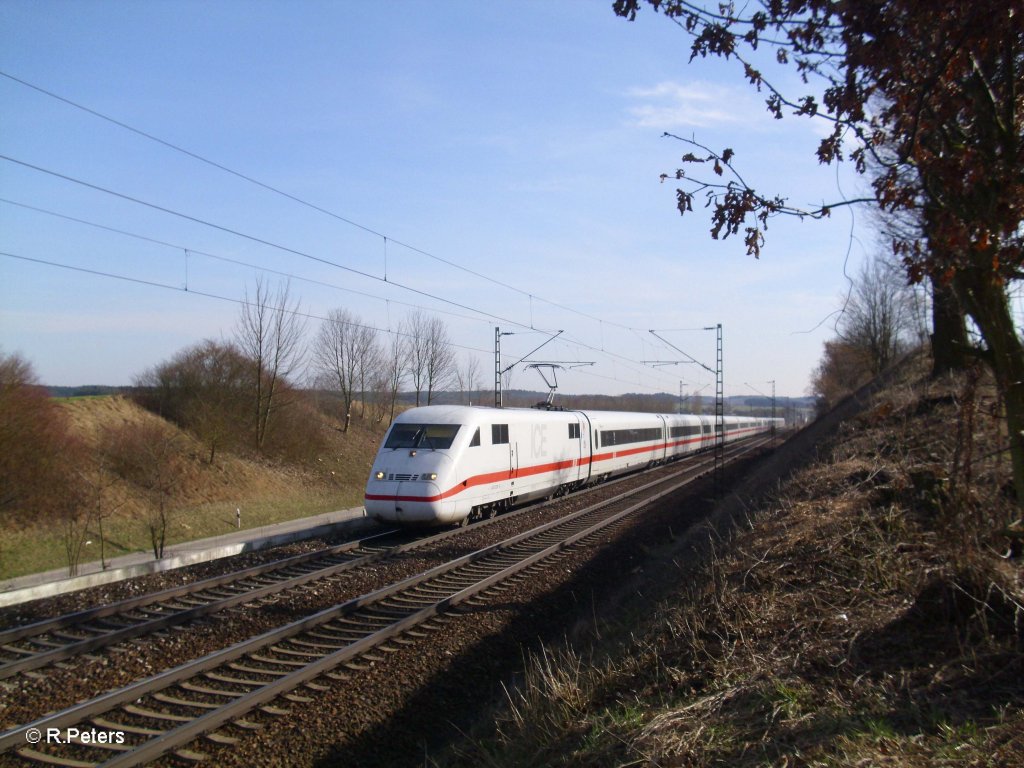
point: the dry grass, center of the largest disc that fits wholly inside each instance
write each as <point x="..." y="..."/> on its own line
<point x="865" y="616"/>
<point x="205" y="495"/>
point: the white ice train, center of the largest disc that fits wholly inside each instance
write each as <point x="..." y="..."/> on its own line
<point x="446" y="463"/>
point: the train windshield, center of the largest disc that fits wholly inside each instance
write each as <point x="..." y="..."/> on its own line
<point x="432" y="436"/>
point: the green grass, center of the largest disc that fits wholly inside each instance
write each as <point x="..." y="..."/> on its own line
<point x="38" y="549"/>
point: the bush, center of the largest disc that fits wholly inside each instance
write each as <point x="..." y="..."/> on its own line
<point x="36" y="456"/>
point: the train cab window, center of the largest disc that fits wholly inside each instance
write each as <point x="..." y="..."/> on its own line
<point x="499" y="434"/>
<point x="430" y="436"/>
<point x="574" y="431"/>
<point x="475" y="439"/>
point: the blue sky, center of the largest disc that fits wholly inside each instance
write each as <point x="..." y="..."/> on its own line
<point x="521" y="140"/>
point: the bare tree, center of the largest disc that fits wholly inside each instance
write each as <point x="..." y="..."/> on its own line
<point x="441" y="364"/>
<point x="370" y="360"/>
<point x="879" y="315"/>
<point x="467" y="377"/>
<point x="430" y="357"/>
<point x="344" y="353"/>
<point x="390" y="374"/>
<point x="270" y="333"/>
<point x="417" y="350"/>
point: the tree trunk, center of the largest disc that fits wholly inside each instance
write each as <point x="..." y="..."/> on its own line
<point x="949" y="331"/>
<point x="987" y="303"/>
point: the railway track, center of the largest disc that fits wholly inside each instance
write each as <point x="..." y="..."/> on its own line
<point x="46" y="642"/>
<point x="212" y="696"/>
<point x="39" y="644"/>
<point x="36" y="645"/>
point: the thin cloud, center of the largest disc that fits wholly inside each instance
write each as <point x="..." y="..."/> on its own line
<point x="670" y="105"/>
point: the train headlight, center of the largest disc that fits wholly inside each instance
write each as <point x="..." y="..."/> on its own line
<point x="432" y="476"/>
<point x="379" y="475"/>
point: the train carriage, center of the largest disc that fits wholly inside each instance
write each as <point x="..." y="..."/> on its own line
<point x="443" y="464"/>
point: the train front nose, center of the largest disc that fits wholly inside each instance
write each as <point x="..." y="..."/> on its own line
<point x="396" y="494"/>
<point x="418" y="502"/>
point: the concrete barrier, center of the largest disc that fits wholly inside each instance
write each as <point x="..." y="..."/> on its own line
<point x="40" y="585"/>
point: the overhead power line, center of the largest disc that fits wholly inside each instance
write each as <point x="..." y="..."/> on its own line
<point x="253" y="238"/>
<point x="292" y="251"/>
<point x="296" y="199"/>
<point x="238" y="262"/>
<point x="244" y="302"/>
<point x="206" y="294"/>
<point x="320" y="209"/>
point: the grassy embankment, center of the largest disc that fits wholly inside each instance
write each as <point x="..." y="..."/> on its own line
<point x="867" y="614"/>
<point x="207" y="495"/>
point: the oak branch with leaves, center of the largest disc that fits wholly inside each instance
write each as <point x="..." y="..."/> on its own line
<point x="926" y="100"/>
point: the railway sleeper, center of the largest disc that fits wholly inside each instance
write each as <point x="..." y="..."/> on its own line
<point x="234" y="680"/>
<point x="362" y="625"/>
<point x="427" y="593"/>
<point x="275" y="711"/>
<point x="134" y="616"/>
<point x="174" y="700"/>
<point x="221" y="738"/>
<point x="41" y="757"/>
<point x="193" y="601"/>
<point x="135" y="709"/>
<point x="339" y="636"/>
<point x="390" y="612"/>
<point x="154" y="611"/>
<point x="255" y="670"/>
<point x="48" y="644"/>
<point x="413" y="602"/>
<point x="111" y="746"/>
<point x="110" y="725"/>
<point x="68" y="637"/>
<point x="211" y="691"/>
<point x="279" y="662"/>
<point x="293" y="652"/>
<point x="190" y="755"/>
<point x="324" y="647"/>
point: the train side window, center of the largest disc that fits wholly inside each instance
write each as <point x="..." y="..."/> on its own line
<point x="476" y="438"/>
<point x="499" y="433"/>
<point x="574" y="431"/>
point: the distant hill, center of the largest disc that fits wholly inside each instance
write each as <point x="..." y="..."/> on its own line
<point x="793" y="408"/>
<point x="86" y="390"/>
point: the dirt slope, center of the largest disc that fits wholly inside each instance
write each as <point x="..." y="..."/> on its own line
<point x="870" y="613"/>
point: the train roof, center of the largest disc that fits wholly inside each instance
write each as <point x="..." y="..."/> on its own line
<point x="478" y="414"/>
